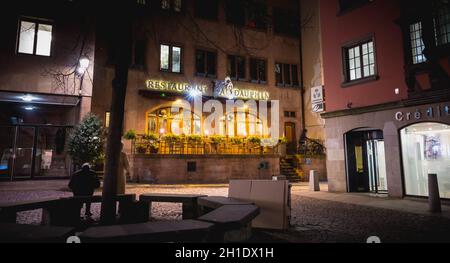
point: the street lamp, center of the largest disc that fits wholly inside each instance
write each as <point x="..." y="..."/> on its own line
<point x="83" y="65"/>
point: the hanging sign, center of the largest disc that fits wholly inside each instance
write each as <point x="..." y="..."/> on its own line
<point x="317" y="99"/>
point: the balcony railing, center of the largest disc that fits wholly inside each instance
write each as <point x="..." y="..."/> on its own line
<point x="198" y="145"/>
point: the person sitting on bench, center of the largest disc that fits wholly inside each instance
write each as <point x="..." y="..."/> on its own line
<point x="83" y="183"/>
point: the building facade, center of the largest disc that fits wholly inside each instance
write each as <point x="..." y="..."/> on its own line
<point x="188" y="51"/>
<point x="388" y="95"/>
<point x="47" y="57"/>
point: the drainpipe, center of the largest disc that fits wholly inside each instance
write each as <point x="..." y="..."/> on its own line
<point x="302" y="92"/>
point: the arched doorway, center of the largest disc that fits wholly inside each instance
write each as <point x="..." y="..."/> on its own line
<point x="426" y="150"/>
<point x="366" y="164"/>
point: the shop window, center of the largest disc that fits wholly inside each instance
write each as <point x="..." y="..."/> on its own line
<point x="417" y="45"/>
<point x="236" y="67"/>
<point x="286" y="23"/>
<point x="348" y="5"/>
<point x="359" y="61"/>
<point x="426" y="150"/>
<point x="164" y="121"/>
<point x="171" y="58"/>
<point x="208" y="9"/>
<point x="172" y="5"/>
<point x="286" y="75"/>
<point x="258" y="71"/>
<point x="206" y="63"/>
<point x="35" y="38"/>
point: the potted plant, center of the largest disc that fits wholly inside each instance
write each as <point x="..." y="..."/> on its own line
<point x="141" y="149"/>
<point x="130" y="135"/>
<point x="216" y="140"/>
<point x="153" y="142"/>
<point x="282" y="143"/>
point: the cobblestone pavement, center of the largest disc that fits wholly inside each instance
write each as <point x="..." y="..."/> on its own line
<point x="313" y="220"/>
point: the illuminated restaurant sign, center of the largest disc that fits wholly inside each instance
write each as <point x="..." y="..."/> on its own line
<point x="171" y="86"/>
<point x="222" y="89"/>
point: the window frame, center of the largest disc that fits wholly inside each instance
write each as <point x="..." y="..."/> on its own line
<point x="171" y="7"/>
<point x="291" y="76"/>
<point x="258" y="81"/>
<point x="410" y="43"/>
<point x="346" y="81"/>
<point x="237" y="78"/>
<point x="171" y="46"/>
<point x="37" y="22"/>
<point x="206" y="51"/>
<point x="246" y="19"/>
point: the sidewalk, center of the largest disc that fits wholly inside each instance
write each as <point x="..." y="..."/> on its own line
<point x="408" y="205"/>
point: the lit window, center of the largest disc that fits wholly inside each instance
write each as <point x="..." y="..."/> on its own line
<point x="107" y="119"/>
<point x="171" y="58"/>
<point x="360" y="61"/>
<point x="173" y="5"/>
<point x="417" y="45"/>
<point x="35" y="38"/>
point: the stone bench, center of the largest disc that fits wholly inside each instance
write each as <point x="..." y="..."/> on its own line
<point x="14" y="233"/>
<point x="57" y="212"/>
<point x="170" y="231"/>
<point x="189" y="202"/>
<point x="232" y="222"/>
<point x="208" y="204"/>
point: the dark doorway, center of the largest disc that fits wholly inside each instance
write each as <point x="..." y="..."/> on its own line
<point x="366" y="168"/>
<point x="289" y="129"/>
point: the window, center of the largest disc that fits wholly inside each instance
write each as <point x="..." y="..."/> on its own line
<point x="35" y="38"/>
<point x="286" y="23"/>
<point x="426" y="150"/>
<point x="206" y="63"/>
<point x="171" y="58"/>
<point x="164" y="121"/>
<point x="442" y="25"/>
<point x="172" y="5"/>
<point x="139" y="53"/>
<point x="347" y="5"/>
<point x="417" y="45"/>
<point x="208" y="9"/>
<point x="258" y="70"/>
<point x="107" y="119"/>
<point x="286" y="75"/>
<point x="290" y="114"/>
<point x="240" y="123"/>
<point x="360" y="61"/>
<point x="252" y="14"/>
<point x="236" y="67"/>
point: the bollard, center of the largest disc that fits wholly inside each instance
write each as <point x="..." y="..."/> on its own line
<point x="314" y="181"/>
<point x="434" y="198"/>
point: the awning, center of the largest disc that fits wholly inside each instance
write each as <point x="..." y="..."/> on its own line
<point x="39" y="98"/>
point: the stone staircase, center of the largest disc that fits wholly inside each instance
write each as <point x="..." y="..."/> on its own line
<point x="287" y="168"/>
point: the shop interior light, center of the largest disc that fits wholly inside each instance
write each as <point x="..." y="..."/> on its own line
<point x="29" y="108"/>
<point x="162" y="131"/>
<point x="193" y="93"/>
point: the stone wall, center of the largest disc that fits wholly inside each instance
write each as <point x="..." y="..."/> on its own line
<point x="168" y="169"/>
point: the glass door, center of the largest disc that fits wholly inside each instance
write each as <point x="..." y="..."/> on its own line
<point x="376" y="166"/>
<point x="24" y="152"/>
<point x="6" y="151"/>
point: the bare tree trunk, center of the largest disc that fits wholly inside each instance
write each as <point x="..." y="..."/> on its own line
<point x="120" y="30"/>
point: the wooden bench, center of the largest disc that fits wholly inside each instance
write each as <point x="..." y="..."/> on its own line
<point x="14" y="233"/>
<point x="170" y="231"/>
<point x="232" y="222"/>
<point x="190" y="202"/>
